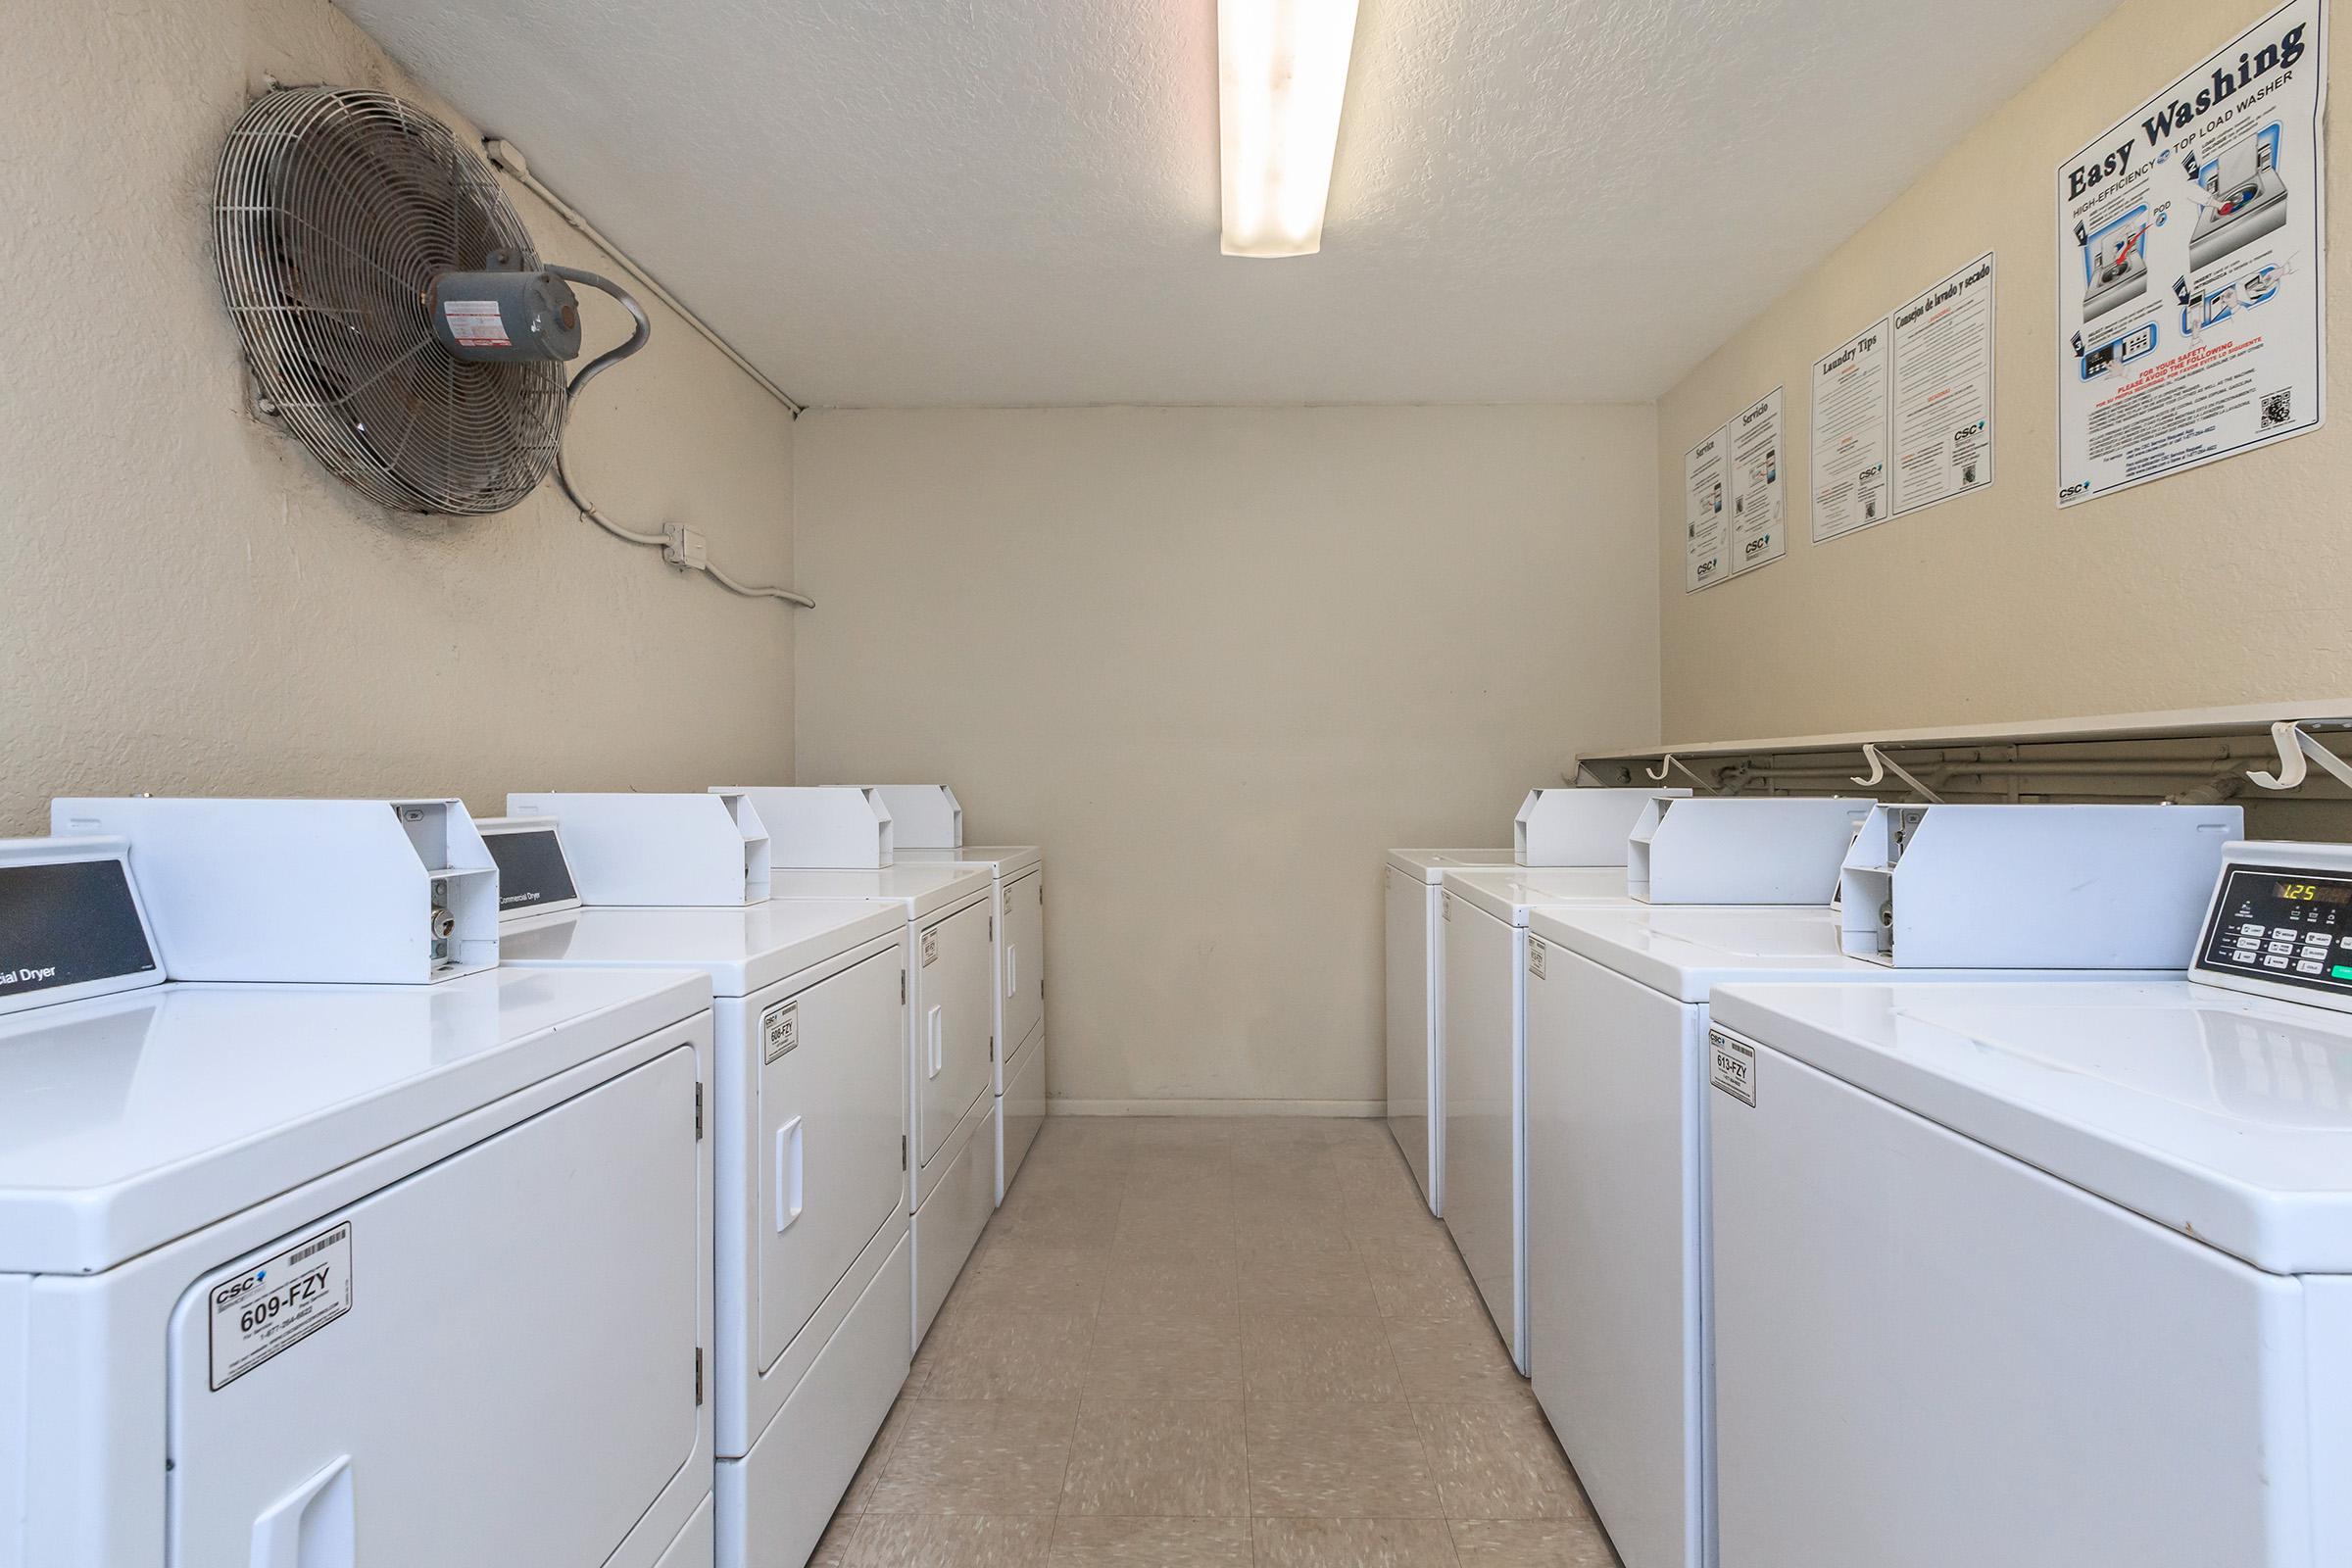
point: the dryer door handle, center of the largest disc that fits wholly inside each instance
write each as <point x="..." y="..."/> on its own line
<point x="312" y="1526"/>
<point x="1012" y="967"/>
<point x="937" y="1032"/>
<point x="789" y="1170"/>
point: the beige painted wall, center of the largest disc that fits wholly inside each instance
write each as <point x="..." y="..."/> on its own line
<point x="1215" y="660"/>
<point x="2223" y="585"/>
<point x="191" y="604"/>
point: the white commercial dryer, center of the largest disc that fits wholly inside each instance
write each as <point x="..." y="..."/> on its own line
<point x="1618" y="1059"/>
<point x="334" y="1273"/>
<point x="812" y="1262"/>
<point x="951" y="1039"/>
<point x="2047" y="1275"/>
<point x="1016" y="931"/>
<point x="1554" y="827"/>
<point x="1712" y="851"/>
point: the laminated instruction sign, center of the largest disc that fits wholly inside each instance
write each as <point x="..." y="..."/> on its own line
<point x="1850" y="434"/>
<point x="1941" y="397"/>
<point x="1706" y="548"/>
<point x="2191" y="284"/>
<point x="1759" y="512"/>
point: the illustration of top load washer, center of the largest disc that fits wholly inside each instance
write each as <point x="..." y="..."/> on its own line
<point x="1416" y="988"/>
<point x="951" y="1047"/>
<point x="1618" y="1056"/>
<point x="2050" y="1274"/>
<point x="264" y="1247"/>
<point x="807" y="1112"/>
<point x="1758" y="851"/>
<point x="1016" y="932"/>
<point x="2245" y="199"/>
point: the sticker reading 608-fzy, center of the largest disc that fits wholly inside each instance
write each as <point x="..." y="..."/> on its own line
<point x="278" y="1303"/>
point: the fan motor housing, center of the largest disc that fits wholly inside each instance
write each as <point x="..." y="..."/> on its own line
<point x="500" y="314"/>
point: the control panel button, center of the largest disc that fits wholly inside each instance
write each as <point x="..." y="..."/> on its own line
<point x="2250" y="929"/>
<point x="2274" y="963"/>
<point x="2308" y="968"/>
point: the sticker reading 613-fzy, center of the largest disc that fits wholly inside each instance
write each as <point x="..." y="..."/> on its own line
<point x="1731" y="1067"/>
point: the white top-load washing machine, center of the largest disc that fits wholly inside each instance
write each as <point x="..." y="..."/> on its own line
<point x="1554" y="827"/>
<point x="1416" y="989"/>
<point x="2047" y="1275"/>
<point x="1783" y="850"/>
<point x="952" y="1041"/>
<point x="323" y="1272"/>
<point x="808" y="1119"/>
<point x="1618" y="1059"/>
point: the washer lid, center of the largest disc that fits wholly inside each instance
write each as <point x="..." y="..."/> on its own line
<point x="921" y="890"/>
<point x="2228" y="1119"/>
<point x="129" y="1121"/>
<point x="1430" y="865"/>
<point x="1508" y="891"/>
<point x="1687" y="950"/>
<point x="742" y="950"/>
<point x="1004" y="861"/>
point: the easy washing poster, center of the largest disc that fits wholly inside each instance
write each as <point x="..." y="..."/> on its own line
<point x="2192" y="278"/>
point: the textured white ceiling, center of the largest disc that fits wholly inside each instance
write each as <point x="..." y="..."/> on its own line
<point x="923" y="202"/>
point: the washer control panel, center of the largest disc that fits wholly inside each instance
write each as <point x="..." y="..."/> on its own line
<point x="2287" y="925"/>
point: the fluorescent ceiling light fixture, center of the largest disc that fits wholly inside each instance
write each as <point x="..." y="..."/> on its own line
<point x="1282" y="69"/>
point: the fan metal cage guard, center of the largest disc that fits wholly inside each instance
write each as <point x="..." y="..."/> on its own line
<point x="334" y="210"/>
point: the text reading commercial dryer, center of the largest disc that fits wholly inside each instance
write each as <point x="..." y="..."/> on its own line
<point x="278" y="1262"/>
<point x="1618" y="1059"/>
<point x="807" y="1116"/>
<point x="2123" y="1334"/>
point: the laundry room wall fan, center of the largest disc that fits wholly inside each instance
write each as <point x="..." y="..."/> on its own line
<point x="398" y="318"/>
<point x="395" y="313"/>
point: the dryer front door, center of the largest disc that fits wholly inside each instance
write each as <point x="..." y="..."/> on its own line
<point x="953" y="1022"/>
<point x="492" y="1361"/>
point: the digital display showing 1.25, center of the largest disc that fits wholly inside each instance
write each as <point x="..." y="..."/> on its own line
<point x="2287" y="927"/>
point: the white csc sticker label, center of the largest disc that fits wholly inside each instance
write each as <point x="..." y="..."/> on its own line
<point x="930" y="947"/>
<point x="279" y="1303"/>
<point x="1534" y="957"/>
<point x="1731" y="1067"/>
<point x="779" y="1030"/>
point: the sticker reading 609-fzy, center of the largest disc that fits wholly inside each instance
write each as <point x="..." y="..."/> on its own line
<point x="278" y="1303"/>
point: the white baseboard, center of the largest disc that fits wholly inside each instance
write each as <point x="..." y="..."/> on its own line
<point x="1216" y="1107"/>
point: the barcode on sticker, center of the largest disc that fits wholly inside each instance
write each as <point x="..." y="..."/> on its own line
<point x="1534" y="957"/>
<point x="1731" y="1067"/>
<point x="476" y="323"/>
<point x="930" y="947"/>
<point x="779" y="1030"/>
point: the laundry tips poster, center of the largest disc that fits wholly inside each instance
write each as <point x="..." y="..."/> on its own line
<point x="2192" y="281"/>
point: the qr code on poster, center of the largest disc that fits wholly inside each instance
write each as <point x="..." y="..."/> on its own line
<point x="2277" y="407"/>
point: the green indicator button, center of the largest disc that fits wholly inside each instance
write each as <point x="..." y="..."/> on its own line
<point x="2342" y="971"/>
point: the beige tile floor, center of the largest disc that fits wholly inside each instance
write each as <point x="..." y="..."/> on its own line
<point x="1207" y="1342"/>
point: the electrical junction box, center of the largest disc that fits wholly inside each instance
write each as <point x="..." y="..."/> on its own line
<point x="824" y="827"/>
<point x="1707" y="850"/>
<point x="534" y="876"/>
<point x="651" y="850"/>
<point x="75" y="924"/>
<point x="357" y="892"/>
<point x="923" y="816"/>
<point x="2032" y="886"/>
<point x="1579" y="826"/>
